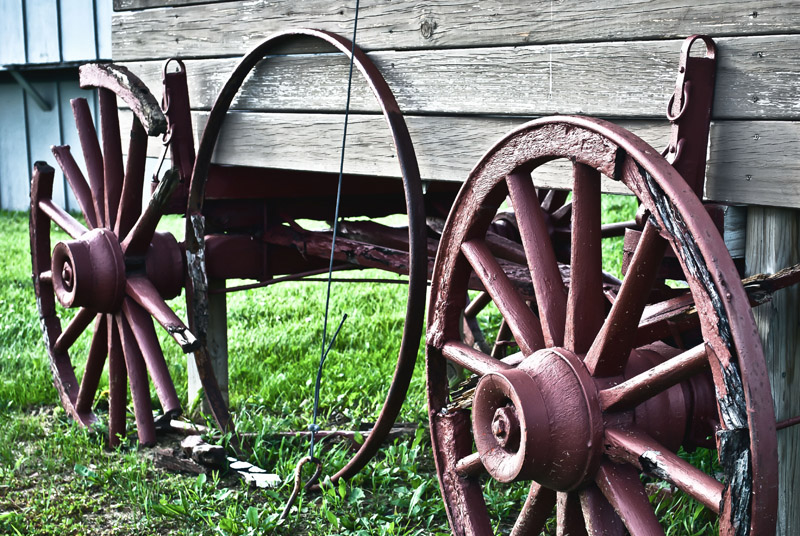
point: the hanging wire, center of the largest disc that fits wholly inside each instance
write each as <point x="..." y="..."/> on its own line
<point x="314" y="427"/>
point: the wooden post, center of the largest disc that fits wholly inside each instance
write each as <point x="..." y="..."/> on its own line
<point x="217" y="346"/>
<point x="773" y="242"/>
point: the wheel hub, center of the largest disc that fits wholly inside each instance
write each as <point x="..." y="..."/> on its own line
<point x="90" y="271"/>
<point x="540" y="421"/>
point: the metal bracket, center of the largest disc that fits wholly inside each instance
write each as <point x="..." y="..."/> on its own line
<point x="30" y="90"/>
<point x="689" y="111"/>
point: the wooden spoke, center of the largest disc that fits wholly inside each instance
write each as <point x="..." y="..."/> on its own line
<point x="142" y="327"/>
<point x="624" y="490"/>
<point x="68" y="224"/>
<point x="472" y="359"/>
<point x="137" y="377"/>
<point x="145" y="294"/>
<point x="661" y="320"/>
<point x="569" y="517"/>
<point x="646" y="385"/>
<point x="77" y="326"/>
<point x="644" y="452"/>
<point x="537" y="509"/>
<point x="521" y="320"/>
<point x="94" y="366"/>
<point x="562" y="215"/>
<point x="76" y="182"/>
<point x="138" y="240"/>
<point x="586" y="302"/>
<point x="117" y="388"/>
<point x="610" y="230"/>
<point x="470" y="466"/>
<point x="112" y="154"/>
<point x="553" y="200"/>
<point x="503" y="335"/>
<point x="610" y="351"/>
<point x="600" y="517"/>
<point x="130" y="205"/>
<point x="551" y="297"/>
<point x="478" y="304"/>
<point x="91" y="155"/>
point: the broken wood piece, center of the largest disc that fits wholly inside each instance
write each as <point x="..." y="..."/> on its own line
<point x="204" y="453"/>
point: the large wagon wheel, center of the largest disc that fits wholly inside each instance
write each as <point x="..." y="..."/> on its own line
<point x="412" y="186"/>
<point x="586" y="407"/>
<point x="116" y="271"/>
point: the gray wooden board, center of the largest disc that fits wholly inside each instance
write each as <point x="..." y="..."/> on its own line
<point x="12" y="30"/>
<point x="751" y="162"/>
<point x="77" y="30"/>
<point x="41" y="21"/>
<point x="103" y="15"/>
<point x="14" y="169"/>
<point x="229" y="28"/>
<point x="757" y="78"/>
<point x="121" y="5"/>
<point x="44" y="131"/>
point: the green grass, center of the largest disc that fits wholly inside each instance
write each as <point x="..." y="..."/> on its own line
<point x="57" y="478"/>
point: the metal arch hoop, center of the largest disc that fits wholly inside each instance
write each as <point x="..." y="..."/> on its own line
<point x="412" y="185"/>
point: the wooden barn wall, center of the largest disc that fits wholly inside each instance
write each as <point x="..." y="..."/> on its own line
<point x="44" y="40"/>
<point x="466" y="72"/>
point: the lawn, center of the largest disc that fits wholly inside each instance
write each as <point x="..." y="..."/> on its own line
<point x="57" y="478"/>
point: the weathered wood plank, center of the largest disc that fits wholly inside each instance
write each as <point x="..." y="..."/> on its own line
<point x="773" y="243"/>
<point x="15" y="173"/>
<point x="230" y="28"/>
<point x="448" y="148"/>
<point x="122" y="5"/>
<point x="41" y="24"/>
<point x="12" y="28"/>
<point x="44" y="131"/>
<point x="77" y="30"/>
<point x="103" y="15"/>
<point x="757" y="78"/>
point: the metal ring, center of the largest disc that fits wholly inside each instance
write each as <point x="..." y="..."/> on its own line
<point x="684" y="104"/>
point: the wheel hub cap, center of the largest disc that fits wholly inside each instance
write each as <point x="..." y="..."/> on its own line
<point x="90" y="271"/>
<point x="540" y="421"/>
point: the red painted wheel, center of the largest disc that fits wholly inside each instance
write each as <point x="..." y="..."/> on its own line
<point x="115" y="271"/>
<point x="594" y="399"/>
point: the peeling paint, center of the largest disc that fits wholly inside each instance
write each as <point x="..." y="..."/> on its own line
<point x="734" y="451"/>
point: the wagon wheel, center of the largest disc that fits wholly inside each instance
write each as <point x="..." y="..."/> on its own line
<point x="412" y="186"/>
<point x="583" y="410"/>
<point x="116" y="271"/>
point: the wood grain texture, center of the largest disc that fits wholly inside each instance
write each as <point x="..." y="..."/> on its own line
<point x="230" y="28"/>
<point x="448" y="147"/>
<point x="757" y="78"/>
<point x="121" y="5"/>
<point x="773" y="242"/>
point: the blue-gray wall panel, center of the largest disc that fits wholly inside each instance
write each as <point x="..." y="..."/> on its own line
<point x="14" y="168"/>
<point x="41" y="24"/>
<point x="44" y="131"/>
<point x="12" y="35"/>
<point x="77" y="30"/>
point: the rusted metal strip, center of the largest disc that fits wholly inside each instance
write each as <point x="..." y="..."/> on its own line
<point x="130" y="89"/>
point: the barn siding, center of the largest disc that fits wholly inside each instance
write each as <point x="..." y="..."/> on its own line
<point x="458" y="62"/>
<point x="44" y="40"/>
